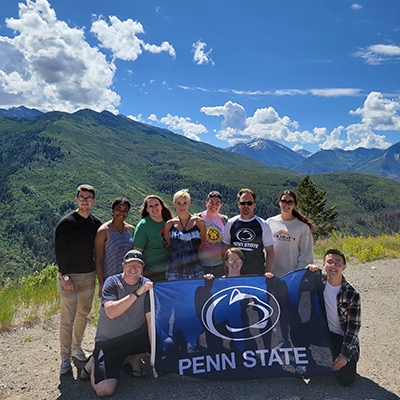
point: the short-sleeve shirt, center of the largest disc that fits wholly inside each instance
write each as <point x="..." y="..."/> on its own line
<point x="211" y="254"/>
<point x="115" y="288"/>
<point x="250" y="236"/>
<point x="148" y="237"/>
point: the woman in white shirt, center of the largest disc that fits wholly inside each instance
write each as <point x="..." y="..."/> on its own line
<point x="292" y="232"/>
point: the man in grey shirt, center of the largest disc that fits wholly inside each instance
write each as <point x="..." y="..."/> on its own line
<point x="123" y="329"/>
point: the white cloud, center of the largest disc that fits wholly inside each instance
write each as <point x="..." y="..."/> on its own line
<point x="335" y="92"/>
<point x="327" y="92"/>
<point x="377" y="113"/>
<point x="137" y="118"/>
<point x="359" y="135"/>
<point x="379" y="53"/>
<point x="121" y="38"/>
<point x="356" y="6"/>
<point x="297" y="147"/>
<point x="333" y="140"/>
<point x="49" y="65"/>
<point x="265" y="123"/>
<point x="152" y="117"/>
<point x="190" y="129"/>
<point x="200" y="56"/>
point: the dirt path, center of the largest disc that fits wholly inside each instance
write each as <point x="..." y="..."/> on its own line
<point x="29" y="358"/>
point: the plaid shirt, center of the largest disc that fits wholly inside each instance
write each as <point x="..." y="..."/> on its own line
<point x="349" y="312"/>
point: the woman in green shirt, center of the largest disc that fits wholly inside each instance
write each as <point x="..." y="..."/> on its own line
<point x="148" y="237"/>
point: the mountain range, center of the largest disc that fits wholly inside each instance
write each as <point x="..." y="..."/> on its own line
<point x="384" y="163"/>
<point x="19" y="112"/>
<point x="43" y="159"/>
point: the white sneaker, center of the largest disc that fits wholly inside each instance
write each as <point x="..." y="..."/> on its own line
<point x="79" y="354"/>
<point x="65" y="366"/>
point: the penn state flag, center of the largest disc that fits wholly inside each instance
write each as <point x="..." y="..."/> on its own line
<point x="241" y="328"/>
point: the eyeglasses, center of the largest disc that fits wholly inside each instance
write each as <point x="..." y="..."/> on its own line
<point x="218" y="203"/>
<point x="246" y="203"/>
<point x="83" y="198"/>
<point x="234" y="260"/>
<point x="288" y="202"/>
<point x="337" y="263"/>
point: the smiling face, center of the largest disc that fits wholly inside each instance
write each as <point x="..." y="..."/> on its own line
<point x="120" y="212"/>
<point x="213" y="204"/>
<point x="85" y="201"/>
<point x="334" y="267"/>
<point x="234" y="264"/>
<point x="154" y="209"/>
<point x="132" y="271"/>
<point x="182" y="205"/>
<point x="286" y="203"/>
<point x="246" y="210"/>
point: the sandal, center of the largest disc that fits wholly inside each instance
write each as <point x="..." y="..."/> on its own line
<point x="127" y="368"/>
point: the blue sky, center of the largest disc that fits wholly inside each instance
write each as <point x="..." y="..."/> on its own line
<point x="307" y="74"/>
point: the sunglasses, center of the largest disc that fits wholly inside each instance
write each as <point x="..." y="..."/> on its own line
<point x="246" y="203"/>
<point x="288" y="202"/>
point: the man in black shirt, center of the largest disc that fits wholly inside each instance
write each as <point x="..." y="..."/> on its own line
<point x="251" y="234"/>
<point x="74" y="245"/>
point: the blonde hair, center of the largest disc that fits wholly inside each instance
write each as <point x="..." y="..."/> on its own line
<point x="181" y="193"/>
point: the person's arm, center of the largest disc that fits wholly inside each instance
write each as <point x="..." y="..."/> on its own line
<point x="268" y="242"/>
<point x="353" y="322"/>
<point x="306" y="255"/>
<point x="131" y="229"/>
<point x="167" y="228"/>
<point x="140" y="238"/>
<point x="203" y="230"/>
<point x="269" y="257"/>
<point x="115" y="308"/>
<point x="62" y="253"/>
<point x="99" y="242"/>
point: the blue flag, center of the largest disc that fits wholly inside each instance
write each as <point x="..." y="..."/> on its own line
<point x="241" y="328"/>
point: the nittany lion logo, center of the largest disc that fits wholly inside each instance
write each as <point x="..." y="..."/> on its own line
<point x="245" y="235"/>
<point x="240" y="313"/>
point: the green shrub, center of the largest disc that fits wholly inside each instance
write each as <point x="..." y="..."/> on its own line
<point x="360" y="248"/>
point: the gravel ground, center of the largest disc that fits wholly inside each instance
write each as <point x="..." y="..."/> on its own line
<point x="29" y="359"/>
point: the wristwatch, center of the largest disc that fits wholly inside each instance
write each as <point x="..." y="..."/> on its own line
<point x="66" y="278"/>
<point x="136" y="294"/>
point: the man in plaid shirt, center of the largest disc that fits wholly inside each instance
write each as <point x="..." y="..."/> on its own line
<point x="343" y="311"/>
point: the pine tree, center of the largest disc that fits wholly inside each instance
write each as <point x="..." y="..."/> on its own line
<point x="311" y="203"/>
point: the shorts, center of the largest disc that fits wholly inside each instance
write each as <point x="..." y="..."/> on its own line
<point x="110" y="355"/>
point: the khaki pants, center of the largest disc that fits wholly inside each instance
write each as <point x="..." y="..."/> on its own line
<point x="74" y="309"/>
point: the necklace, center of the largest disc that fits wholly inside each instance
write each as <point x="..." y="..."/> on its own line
<point x="116" y="228"/>
<point x="187" y="221"/>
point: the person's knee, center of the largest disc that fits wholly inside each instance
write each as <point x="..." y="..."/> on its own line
<point x="106" y="388"/>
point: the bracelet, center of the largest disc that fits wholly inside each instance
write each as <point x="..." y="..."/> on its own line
<point x="136" y="294"/>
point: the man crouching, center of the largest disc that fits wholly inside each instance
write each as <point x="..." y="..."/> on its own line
<point x="123" y="329"/>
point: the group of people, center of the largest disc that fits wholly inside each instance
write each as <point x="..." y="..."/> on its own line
<point x="128" y="260"/>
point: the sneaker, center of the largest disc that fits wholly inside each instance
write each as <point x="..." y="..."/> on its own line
<point x="79" y="354"/>
<point x="65" y="366"/>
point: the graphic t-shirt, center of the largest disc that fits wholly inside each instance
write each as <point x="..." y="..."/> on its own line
<point x="211" y="254"/>
<point x="250" y="236"/>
